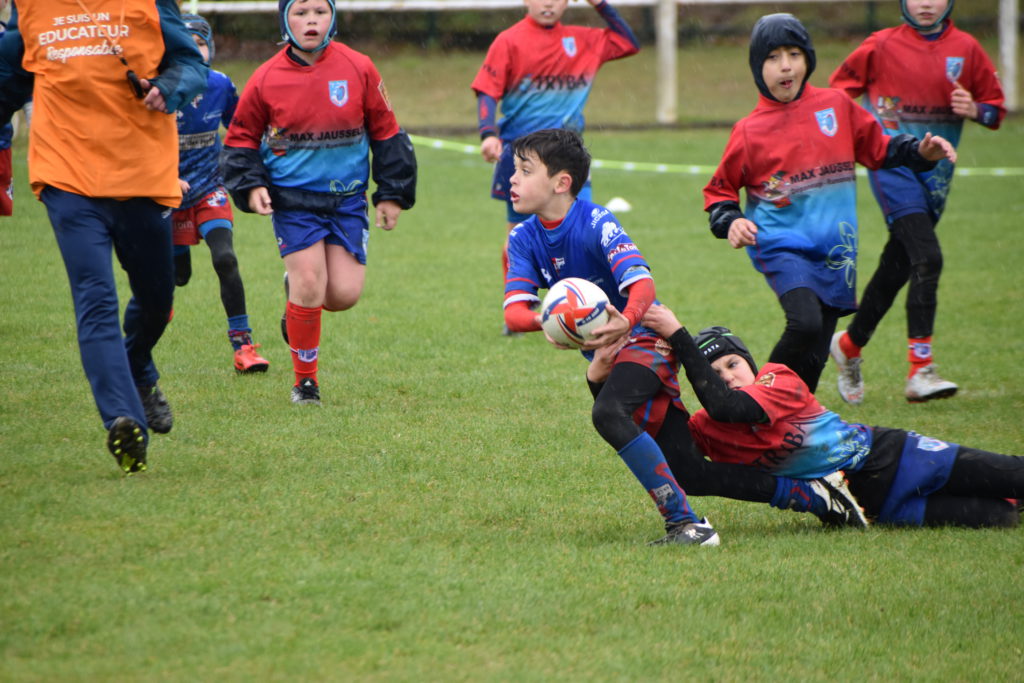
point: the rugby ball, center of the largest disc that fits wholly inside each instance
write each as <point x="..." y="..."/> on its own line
<point x="573" y="308"/>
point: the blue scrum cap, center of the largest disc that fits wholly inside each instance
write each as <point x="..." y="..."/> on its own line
<point x="200" y="27"/>
<point x="910" y="20"/>
<point x="286" y="34"/>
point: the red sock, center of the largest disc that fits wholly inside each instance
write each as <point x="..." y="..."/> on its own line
<point x="304" y="338"/>
<point x="846" y="345"/>
<point x="919" y="353"/>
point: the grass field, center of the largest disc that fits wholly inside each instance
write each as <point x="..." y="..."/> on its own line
<point x="449" y="513"/>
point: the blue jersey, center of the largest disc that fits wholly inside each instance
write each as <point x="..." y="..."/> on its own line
<point x="590" y="243"/>
<point x="198" y="139"/>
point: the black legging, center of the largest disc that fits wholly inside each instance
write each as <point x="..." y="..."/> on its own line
<point x="627" y="388"/>
<point x="225" y="263"/>
<point x="805" y="341"/>
<point x="912" y="254"/>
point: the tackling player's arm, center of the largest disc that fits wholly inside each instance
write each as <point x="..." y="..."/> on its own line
<point x="722" y="403"/>
<point x="15" y="82"/>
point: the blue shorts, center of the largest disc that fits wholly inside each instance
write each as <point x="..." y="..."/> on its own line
<point x="348" y="227"/>
<point x="901" y="192"/>
<point x="501" y="184"/>
<point x="924" y="468"/>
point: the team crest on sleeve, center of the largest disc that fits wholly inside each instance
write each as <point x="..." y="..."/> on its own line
<point x="339" y="93"/>
<point x="766" y="380"/>
<point x="954" y="67"/>
<point x="569" y="45"/>
<point x="827" y="122"/>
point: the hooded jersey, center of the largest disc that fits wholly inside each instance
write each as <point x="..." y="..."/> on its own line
<point x="312" y="124"/>
<point x="796" y="163"/>
<point x="801" y="439"/>
<point x="90" y="135"/>
<point x="906" y="81"/>
<point x="543" y="75"/>
<point x="198" y="139"/>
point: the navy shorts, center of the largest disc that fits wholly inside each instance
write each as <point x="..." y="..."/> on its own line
<point x="348" y="227"/>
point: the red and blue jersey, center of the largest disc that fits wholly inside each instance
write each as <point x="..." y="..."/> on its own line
<point x="588" y="243"/>
<point x="313" y="123"/>
<point x="796" y="162"/>
<point x="906" y="81"/>
<point x="198" y="138"/>
<point x="543" y="75"/>
<point x="801" y="438"/>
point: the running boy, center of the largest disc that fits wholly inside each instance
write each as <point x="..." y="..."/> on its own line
<point x="206" y="212"/>
<point x="565" y="236"/>
<point x="542" y="72"/>
<point x="768" y="418"/>
<point x="794" y="154"/>
<point x="924" y="75"/>
<point x="298" y="150"/>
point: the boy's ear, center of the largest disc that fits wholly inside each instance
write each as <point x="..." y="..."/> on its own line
<point x="563" y="182"/>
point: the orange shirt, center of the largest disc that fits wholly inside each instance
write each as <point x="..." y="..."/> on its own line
<point x="90" y="135"/>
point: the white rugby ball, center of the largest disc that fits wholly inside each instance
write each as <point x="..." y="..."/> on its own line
<point x="573" y="308"/>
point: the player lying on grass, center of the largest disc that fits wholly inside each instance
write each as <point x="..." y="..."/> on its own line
<point x="826" y="497"/>
<point x="768" y="419"/>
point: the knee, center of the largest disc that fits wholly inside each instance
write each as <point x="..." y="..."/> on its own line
<point x="806" y="327"/>
<point x="612" y="421"/>
<point x="928" y="268"/>
<point x="225" y="262"/>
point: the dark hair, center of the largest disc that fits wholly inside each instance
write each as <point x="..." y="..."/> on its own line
<point x="779" y="30"/>
<point x="715" y="342"/>
<point x="559" y="150"/>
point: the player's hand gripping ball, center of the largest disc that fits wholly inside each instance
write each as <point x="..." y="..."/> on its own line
<point x="573" y="308"/>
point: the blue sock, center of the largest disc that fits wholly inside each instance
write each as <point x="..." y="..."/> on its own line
<point x="238" y="325"/>
<point x="796" y="494"/>
<point x="645" y="460"/>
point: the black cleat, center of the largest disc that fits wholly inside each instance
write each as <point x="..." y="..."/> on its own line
<point x="127" y="443"/>
<point x="842" y="507"/>
<point x="305" y="392"/>
<point x="158" y="412"/>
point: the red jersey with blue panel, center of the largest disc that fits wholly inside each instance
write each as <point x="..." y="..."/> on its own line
<point x="796" y="163"/>
<point x="801" y="439"/>
<point x="906" y="80"/>
<point x="198" y="139"/>
<point x="312" y="123"/>
<point x="543" y="75"/>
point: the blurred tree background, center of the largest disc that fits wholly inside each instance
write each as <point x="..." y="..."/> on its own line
<point x="252" y="36"/>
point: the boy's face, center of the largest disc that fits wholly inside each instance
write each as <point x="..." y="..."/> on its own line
<point x="927" y="12"/>
<point x="309" y="21"/>
<point x="532" y="188"/>
<point x="734" y="370"/>
<point x="784" y="71"/>
<point x="204" y="49"/>
<point x="546" y="12"/>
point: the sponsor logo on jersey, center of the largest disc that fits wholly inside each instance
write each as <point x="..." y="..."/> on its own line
<point x="621" y="249"/>
<point x="827" y="122"/>
<point x="558" y="262"/>
<point x="662" y="347"/>
<point x="609" y="231"/>
<point x="569" y="45"/>
<point x="339" y="92"/>
<point x="954" y="67"/>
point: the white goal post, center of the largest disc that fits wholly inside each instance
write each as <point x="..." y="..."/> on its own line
<point x="666" y="30"/>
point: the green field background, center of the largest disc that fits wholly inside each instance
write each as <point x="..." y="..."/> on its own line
<point x="449" y="513"/>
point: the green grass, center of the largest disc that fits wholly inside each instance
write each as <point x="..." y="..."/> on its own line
<point x="449" y="513"/>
